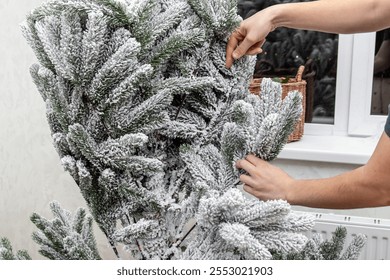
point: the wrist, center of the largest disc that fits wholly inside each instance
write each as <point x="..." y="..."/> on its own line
<point x="275" y="14"/>
<point x="290" y="191"/>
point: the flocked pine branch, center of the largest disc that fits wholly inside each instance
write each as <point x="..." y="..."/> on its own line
<point x="148" y="121"/>
<point x="65" y="237"/>
<point x="6" y="251"/>
<point x="334" y="249"/>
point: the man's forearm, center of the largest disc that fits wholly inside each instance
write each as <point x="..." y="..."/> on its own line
<point x="333" y="16"/>
<point x="349" y="190"/>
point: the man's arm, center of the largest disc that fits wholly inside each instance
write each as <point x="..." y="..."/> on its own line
<point x="367" y="186"/>
<point x="333" y="16"/>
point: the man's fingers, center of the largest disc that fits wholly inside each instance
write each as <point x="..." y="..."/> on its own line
<point x="239" y="45"/>
<point x="256" y="48"/>
<point x="256" y="161"/>
<point x="254" y="51"/>
<point x="261" y="43"/>
<point x="247" y="180"/>
<point x="249" y="190"/>
<point x="231" y="46"/>
<point x="242" y="48"/>
<point x="246" y="165"/>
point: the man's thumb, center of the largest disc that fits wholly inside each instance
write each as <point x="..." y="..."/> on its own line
<point x="242" y="49"/>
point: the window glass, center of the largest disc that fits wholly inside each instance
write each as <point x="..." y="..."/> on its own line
<point x="286" y="49"/>
<point x="381" y="80"/>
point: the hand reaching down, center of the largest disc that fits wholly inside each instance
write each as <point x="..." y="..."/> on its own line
<point x="264" y="180"/>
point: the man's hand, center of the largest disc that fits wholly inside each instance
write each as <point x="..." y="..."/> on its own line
<point x="264" y="181"/>
<point x="249" y="37"/>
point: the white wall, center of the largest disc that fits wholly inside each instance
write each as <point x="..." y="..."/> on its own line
<point x="30" y="172"/>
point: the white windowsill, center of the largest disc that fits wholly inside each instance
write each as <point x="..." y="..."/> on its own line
<point x="336" y="149"/>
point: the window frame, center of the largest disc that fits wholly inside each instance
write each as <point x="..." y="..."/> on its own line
<point x="352" y="116"/>
<point x="361" y="122"/>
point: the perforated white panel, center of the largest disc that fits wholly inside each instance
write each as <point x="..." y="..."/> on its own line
<point x="376" y="230"/>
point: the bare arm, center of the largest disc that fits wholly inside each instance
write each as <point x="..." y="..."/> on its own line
<point x="367" y="186"/>
<point x="333" y="16"/>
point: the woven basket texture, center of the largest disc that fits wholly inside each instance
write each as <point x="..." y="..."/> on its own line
<point x="292" y="84"/>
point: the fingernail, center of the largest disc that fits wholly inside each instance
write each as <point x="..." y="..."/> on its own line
<point x="235" y="55"/>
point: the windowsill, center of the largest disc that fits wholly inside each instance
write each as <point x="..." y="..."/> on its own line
<point x="336" y="149"/>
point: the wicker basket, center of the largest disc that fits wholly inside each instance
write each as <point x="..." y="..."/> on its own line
<point x="293" y="84"/>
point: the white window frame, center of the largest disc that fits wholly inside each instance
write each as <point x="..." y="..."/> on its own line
<point x="355" y="132"/>
<point x="361" y="122"/>
<point x="353" y="90"/>
<point x="344" y="68"/>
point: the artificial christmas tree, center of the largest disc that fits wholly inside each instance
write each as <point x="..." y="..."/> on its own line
<point x="6" y="251"/>
<point x="318" y="249"/>
<point x="149" y="122"/>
